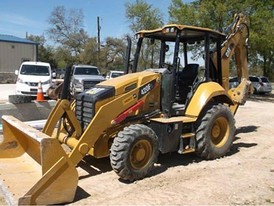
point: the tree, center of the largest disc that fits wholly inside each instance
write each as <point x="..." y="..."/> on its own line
<point x="261" y="35"/>
<point x="114" y="53"/>
<point x="45" y="53"/>
<point x="182" y="13"/>
<point x="214" y="14"/>
<point x="63" y="57"/>
<point x="110" y="57"/>
<point x="217" y="14"/>
<point x="142" y="15"/>
<point x="66" y="28"/>
<point x="90" y="52"/>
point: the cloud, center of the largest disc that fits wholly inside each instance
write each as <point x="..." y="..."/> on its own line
<point x="18" y="20"/>
<point x="18" y="25"/>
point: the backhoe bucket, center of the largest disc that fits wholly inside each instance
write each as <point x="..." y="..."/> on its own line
<point x="34" y="168"/>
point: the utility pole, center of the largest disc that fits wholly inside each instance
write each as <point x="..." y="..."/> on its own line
<point x="98" y="39"/>
<point x="98" y="33"/>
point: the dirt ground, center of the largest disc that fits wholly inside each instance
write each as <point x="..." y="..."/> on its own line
<point x="244" y="177"/>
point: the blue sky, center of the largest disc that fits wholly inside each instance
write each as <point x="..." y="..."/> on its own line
<point x="20" y="16"/>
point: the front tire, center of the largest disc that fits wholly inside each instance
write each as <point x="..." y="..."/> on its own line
<point x="134" y="152"/>
<point x="215" y="132"/>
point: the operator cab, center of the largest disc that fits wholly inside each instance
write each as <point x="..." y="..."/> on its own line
<point x="182" y="55"/>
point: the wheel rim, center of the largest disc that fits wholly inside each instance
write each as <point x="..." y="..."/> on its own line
<point x="141" y="153"/>
<point x="220" y="132"/>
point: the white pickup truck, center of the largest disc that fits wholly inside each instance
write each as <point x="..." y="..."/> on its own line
<point x="84" y="77"/>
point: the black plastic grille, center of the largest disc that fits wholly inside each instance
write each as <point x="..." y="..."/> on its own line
<point x="90" y="83"/>
<point x="85" y="103"/>
<point x="84" y="110"/>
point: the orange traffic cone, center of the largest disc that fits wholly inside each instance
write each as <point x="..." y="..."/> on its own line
<point x="40" y="95"/>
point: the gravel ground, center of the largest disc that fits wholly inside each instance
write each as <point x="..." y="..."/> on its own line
<point x="244" y="177"/>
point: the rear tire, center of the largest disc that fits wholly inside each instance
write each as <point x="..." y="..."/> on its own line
<point x="134" y="152"/>
<point x="215" y="132"/>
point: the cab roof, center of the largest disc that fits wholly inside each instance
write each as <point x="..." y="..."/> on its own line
<point x="188" y="33"/>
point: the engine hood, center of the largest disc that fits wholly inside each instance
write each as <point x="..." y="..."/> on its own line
<point x="128" y="82"/>
<point x="88" y="77"/>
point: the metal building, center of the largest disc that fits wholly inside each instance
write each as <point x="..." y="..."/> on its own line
<point x="14" y="51"/>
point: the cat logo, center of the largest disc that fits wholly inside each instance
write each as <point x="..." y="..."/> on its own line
<point x="228" y="50"/>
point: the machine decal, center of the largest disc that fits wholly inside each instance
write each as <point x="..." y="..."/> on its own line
<point x="228" y="50"/>
<point x="95" y="90"/>
<point x="146" y="88"/>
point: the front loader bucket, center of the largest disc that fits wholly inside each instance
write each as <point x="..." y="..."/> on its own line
<point x="34" y="168"/>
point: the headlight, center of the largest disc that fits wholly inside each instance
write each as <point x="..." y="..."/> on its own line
<point x="47" y="82"/>
<point x="20" y="81"/>
<point x="77" y="81"/>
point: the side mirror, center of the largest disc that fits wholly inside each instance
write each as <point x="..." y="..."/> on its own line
<point x="53" y="74"/>
<point x="16" y="72"/>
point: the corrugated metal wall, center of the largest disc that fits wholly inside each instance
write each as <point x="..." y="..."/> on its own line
<point x="13" y="54"/>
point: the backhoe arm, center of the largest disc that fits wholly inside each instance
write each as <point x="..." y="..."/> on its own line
<point x="236" y="45"/>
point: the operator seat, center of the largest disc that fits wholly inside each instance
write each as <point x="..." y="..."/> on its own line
<point x="186" y="78"/>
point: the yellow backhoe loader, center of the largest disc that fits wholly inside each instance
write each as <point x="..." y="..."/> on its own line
<point x="173" y="105"/>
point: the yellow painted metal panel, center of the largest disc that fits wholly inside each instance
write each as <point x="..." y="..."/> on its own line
<point x="204" y="93"/>
<point x="46" y="174"/>
<point x="184" y="119"/>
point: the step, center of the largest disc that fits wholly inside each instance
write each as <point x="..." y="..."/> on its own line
<point x="185" y="151"/>
<point x="189" y="150"/>
<point x="188" y="135"/>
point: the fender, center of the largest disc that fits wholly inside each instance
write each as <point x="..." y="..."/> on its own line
<point x="204" y="93"/>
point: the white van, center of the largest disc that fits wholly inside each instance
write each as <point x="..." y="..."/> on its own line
<point x="29" y="76"/>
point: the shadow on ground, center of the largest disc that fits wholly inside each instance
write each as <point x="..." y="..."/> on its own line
<point x="261" y="97"/>
<point x="95" y="166"/>
<point x="236" y="146"/>
<point x="246" y="129"/>
<point x="80" y="194"/>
